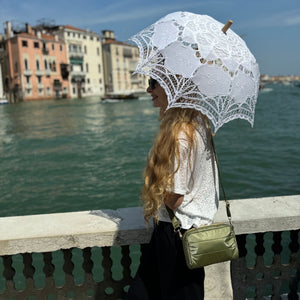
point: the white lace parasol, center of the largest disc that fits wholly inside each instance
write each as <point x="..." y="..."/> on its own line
<point x="199" y="66"/>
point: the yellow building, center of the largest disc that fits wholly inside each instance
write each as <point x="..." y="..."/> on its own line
<point x="84" y="51"/>
<point x="120" y="60"/>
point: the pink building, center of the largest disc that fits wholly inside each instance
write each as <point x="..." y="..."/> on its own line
<point x="37" y="65"/>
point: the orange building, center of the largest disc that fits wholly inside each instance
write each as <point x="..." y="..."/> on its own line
<point x="37" y="65"/>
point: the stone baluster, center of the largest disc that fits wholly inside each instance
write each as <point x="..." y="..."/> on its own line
<point x="277" y="248"/>
<point x="28" y="271"/>
<point x="48" y="271"/>
<point x="259" y="268"/>
<point x="68" y="268"/>
<point x="126" y="262"/>
<point x="294" y="247"/>
<point x="9" y="273"/>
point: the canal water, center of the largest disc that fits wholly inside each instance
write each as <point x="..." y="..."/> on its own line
<point x="87" y="154"/>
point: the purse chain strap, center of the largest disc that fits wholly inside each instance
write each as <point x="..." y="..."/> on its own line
<point x="173" y="218"/>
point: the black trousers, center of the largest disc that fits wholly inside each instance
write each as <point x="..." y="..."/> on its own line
<point x="163" y="274"/>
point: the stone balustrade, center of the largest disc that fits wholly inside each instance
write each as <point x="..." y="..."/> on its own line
<point x="46" y="235"/>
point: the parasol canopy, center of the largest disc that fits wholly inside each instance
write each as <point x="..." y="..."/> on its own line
<point x="200" y="66"/>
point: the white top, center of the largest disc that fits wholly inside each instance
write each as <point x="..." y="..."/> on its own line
<point x="201" y="191"/>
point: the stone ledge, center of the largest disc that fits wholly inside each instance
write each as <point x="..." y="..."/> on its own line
<point x="51" y="232"/>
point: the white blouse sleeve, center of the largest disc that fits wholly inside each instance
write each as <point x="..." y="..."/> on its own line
<point x="183" y="174"/>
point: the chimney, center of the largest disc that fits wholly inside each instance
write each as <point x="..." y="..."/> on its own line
<point x="108" y="34"/>
<point x="8" y="31"/>
<point x="28" y="29"/>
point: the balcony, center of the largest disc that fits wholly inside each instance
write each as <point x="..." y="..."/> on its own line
<point x="28" y="85"/>
<point x="27" y="72"/>
<point x="39" y="72"/>
<point x="76" y="53"/>
<point x="48" y="72"/>
<point x="76" y="73"/>
<point x="96" y="252"/>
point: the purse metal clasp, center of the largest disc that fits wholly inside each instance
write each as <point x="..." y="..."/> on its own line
<point x="178" y="231"/>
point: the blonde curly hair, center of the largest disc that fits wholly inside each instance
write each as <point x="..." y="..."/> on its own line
<point x="159" y="171"/>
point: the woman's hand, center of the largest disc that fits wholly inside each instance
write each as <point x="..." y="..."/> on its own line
<point x="173" y="201"/>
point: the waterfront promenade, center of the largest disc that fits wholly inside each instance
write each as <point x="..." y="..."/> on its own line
<point x="267" y="232"/>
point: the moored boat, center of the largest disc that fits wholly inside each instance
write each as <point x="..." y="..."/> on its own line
<point x="120" y="96"/>
<point x="3" y="101"/>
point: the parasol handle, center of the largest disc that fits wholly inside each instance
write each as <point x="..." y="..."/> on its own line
<point x="226" y="26"/>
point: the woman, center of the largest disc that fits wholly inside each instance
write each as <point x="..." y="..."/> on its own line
<point x="181" y="173"/>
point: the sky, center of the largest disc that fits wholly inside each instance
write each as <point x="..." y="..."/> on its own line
<point x="270" y="28"/>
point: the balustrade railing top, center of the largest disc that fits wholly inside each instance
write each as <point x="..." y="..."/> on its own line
<point x="125" y="226"/>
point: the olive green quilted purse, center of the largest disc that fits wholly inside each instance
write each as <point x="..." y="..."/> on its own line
<point x="208" y="244"/>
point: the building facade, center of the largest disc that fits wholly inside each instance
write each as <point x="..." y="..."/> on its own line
<point x="36" y="65"/>
<point x="84" y="52"/>
<point x="1" y="63"/>
<point x="120" y="61"/>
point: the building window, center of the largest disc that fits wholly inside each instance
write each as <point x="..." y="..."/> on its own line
<point x="79" y="35"/>
<point x="27" y="79"/>
<point x="73" y="34"/>
<point x="99" y="68"/>
<point x="91" y="38"/>
<point x="48" y="91"/>
<point x="84" y="37"/>
<point x="16" y="67"/>
<point x="24" y="43"/>
<point x="98" y="51"/>
<point x="88" y="80"/>
<point x="60" y="47"/>
<point x="87" y="67"/>
<point x="37" y="64"/>
<point x="39" y="78"/>
<point x="36" y="44"/>
<point x="26" y="64"/>
<point x="46" y="64"/>
<point x="68" y="33"/>
<point x="53" y="46"/>
<point x="100" y="81"/>
<point x="74" y="90"/>
<point x="53" y="66"/>
<point x="85" y="50"/>
<point x="41" y="92"/>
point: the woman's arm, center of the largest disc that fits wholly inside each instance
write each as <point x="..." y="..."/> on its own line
<point x="173" y="201"/>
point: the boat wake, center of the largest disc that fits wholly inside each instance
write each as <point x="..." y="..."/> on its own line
<point x="266" y="90"/>
<point x="111" y="100"/>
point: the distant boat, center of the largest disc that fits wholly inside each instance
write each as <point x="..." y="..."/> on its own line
<point x="120" y="96"/>
<point x="3" y="101"/>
